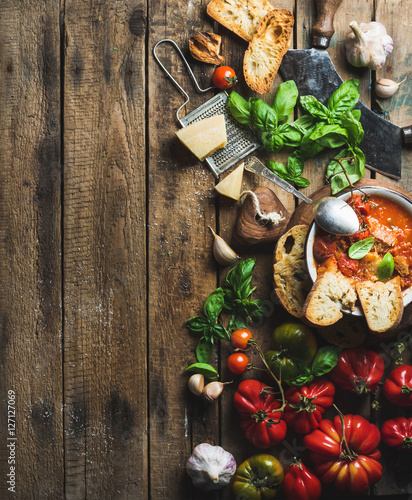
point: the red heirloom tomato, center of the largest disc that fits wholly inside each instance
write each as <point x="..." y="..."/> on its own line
<point x="237" y="362"/>
<point x="240" y="338"/>
<point x="358" y="370"/>
<point x="398" y="386"/>
<point x="398" y="432"/>
<point x="257" y="407"/>
<point x="349" y="459"/>
<point x="306" y="405"/>
<point x="224" y="77"/>
<point x="299" y="482"/>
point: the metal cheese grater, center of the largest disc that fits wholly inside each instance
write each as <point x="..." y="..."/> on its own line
<point x="240" y="141"/>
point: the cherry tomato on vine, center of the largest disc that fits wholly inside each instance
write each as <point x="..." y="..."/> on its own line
<point x="224" y="77"/>
<point x="240" y="338"/>
<point x="237" y="362"/>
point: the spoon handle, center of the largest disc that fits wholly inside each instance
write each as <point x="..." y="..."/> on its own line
<point x="253" y="164"/>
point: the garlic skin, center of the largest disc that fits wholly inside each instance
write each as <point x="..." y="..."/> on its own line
<point x="222" y="251"/>
<point x="196" y="384"/>
<point x="385" y="88"/>
<point x="368" y="45"/>
<point x="210" y="467"/>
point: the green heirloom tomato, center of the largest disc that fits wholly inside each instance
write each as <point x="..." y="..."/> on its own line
<point x="294" y="347"/>
<point x="257" y="478"/>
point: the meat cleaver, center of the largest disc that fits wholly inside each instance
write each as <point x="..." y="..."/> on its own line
<point x="314" y="74"/>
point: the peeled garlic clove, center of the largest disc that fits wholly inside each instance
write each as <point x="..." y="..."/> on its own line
<point x="196" y="384"/>
<point x="222" y="251"/>
<point x="212" y="391"/>
<point x="385" y="88"/>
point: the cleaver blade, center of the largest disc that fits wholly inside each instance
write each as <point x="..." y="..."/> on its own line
<point x="314" y="74"/>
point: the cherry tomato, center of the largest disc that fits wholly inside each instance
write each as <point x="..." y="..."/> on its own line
<point x="237" y="362"/>
<point x="348" y="266"/>
<point x="240" y="338"/>
<point x="224" y="77"/>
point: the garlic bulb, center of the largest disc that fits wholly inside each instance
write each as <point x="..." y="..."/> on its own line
<point x="222" y="251"/>
<point x="368" y="45"/>
<point x="385" y="88"/>
<point x="196" y="384"/>
<point x="210" y="467"/>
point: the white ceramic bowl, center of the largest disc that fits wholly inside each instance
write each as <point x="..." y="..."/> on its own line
<point x="398" y="198"/>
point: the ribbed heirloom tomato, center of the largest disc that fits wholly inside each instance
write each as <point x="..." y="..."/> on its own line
<point x="307" y="404"/>
<point x="260" y="418"/>
<point x="358" y="370"/>
<point x="344" y="452"/>
<point x="299" y="482"/>
<point x="398" y="386"/>
<point x="397" y="432"/>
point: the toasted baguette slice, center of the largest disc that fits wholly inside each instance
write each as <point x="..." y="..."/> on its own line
<point x="240" y="16"/>
<point x="292" y="282"/>
<point x="382" y="303"/>
<point x="267" y="48"/>
<point x="322" y="304"/>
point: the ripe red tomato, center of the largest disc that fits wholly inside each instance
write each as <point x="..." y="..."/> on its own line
<point x="299" y="482"/>
<point x="323" y="248"/>
<point x="358" y="370"/>
<point x="306" y="405"/>
<point x="240" y="338"/>
<point x="397" y="432"/>
<point x="258" y="410"/>
<point x="237" y="362"/>
<point x="224" y="77"/>
<point x="398" y="386"/>
<point x="362" y="205"/>
<point x="348" y="266"/>
<point x="346" y="454"/>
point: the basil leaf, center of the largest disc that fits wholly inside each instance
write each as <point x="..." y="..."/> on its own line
<point x="352" y="127"/>
<point x="239" y="108"/>
<point x="344" y="98"/>
<point x="356" y="113"/>
<point x="386" y="267"/>
<point x="355" y="169"/>
<point x="325" y="360"/>
<point x="301" y="182"/>
<point x="285" y="100"/>
<point x="220" y="332"/>
<point x="304" y="123"/>
<point x="308" y="147"/>
<point x="359" y="249"/>
<point x="330" y="136"/>
<point x="290" y="135"/>
<point x="204" y="350"/>
<point x="205" y="369"/>
<point x="315" y="108"/>
<point x="305" y="377"/>
<point x="272" y="142"/>
<point x="278" y="169"/>
<point x="263" y="116"/>
<point x="197" y="324"/>
<point x="240" y="273"/>
<point x="214" y="304"/>
<point x="295" y="165"/>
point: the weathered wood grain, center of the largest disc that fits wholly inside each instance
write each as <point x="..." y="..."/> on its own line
<point x="30" y="239"/>
<point x="104" y="251"/>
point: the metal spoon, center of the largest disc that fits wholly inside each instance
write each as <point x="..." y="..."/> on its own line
<point x="332" y="214"/>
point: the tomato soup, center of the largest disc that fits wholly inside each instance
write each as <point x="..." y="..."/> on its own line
<point x="387" y="223"/>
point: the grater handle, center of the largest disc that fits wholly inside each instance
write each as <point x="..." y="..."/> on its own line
<point x="189" y="69"/>
<point x="252" y="164"/>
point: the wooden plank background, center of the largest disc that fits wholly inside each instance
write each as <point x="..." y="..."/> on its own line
<point x="104" y="246"/>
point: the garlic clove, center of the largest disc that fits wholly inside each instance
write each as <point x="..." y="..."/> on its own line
<point x="385" y="88"/>
<point x="222" y="251"/>
<point x="196" y="384"/>
<point x="212" y="391"/>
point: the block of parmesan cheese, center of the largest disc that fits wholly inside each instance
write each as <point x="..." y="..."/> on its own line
<point x="204" y="137"/>
<point x="231" y="185"/>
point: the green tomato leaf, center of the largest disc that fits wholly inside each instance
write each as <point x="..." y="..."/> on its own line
<point x="197" y="324"/>
<point x="386" y="267"/>
<point x="205" y="369"/>
<point x="325" y="360"/>
<point x="239" y="108"/>
<point x="315" y="108"/>
<point x="263" y="116"/>
<point x="204" y="350"/>
<point x="214" y="304"/>
<point x="344" y="98"/>
<point x="359" y="249"/>
<point x="285" y="100"/>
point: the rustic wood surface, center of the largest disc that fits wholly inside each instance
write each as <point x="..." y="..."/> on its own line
<point x="105" y="251"/>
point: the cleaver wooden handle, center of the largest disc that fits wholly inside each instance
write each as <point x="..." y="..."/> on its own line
<point x="322" y="30"/>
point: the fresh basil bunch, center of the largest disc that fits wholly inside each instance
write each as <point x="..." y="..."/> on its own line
<point x="334" y="125"/>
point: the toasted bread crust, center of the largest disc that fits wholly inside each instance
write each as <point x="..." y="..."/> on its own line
<point x="240" y="16"/>
<point x="267" y="48"/>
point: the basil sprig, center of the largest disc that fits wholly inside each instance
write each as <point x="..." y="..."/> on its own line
<point x="386" y="267"/>
<point x="361" y="248"/>
<point x="325" y="360"/>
